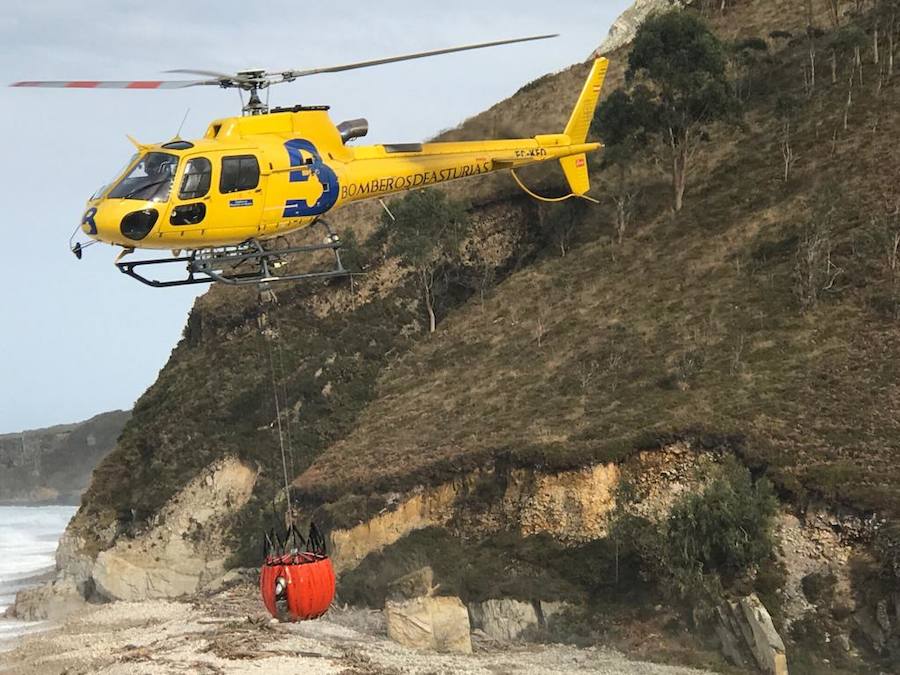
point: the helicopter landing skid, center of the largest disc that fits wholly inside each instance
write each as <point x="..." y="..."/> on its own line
<point x="225" y="265"/>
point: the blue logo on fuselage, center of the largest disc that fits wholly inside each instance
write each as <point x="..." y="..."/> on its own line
<point x="88" y="225"/>
<point x="298" y="208"/>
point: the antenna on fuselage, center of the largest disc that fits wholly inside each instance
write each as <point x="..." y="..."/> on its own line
<point x="183" y="120"/>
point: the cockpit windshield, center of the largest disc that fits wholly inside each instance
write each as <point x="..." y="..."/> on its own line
<point x="106" y="186"/>
<point x="150" y="179"/>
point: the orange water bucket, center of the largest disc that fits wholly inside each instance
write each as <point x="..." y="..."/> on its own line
<point x="297" y="586"/>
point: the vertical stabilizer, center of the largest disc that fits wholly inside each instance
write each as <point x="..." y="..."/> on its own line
<point x="575" y="167"/>
<point x="580" y="122"/>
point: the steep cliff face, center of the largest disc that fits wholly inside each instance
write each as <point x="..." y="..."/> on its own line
<point x="183" y="551"/>
<point x="695" y="332"/>
<point x="55" y="464"/>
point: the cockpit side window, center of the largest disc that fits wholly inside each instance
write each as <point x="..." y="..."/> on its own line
<point x="196" y="179"/>
<point x="239" y="173"/>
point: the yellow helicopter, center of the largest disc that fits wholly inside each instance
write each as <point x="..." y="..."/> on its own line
<point x="218" y="202"/>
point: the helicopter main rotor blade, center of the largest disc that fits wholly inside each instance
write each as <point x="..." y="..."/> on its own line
<point x="207" y="73"/>
<point x="221" y="77"/>
<point x="293" y="74"/>
<point x="115" y="84"/>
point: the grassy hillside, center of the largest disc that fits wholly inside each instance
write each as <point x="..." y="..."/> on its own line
<point x="700" y="324"/>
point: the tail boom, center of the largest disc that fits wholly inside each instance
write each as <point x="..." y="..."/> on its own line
<point x="378" y="170"/>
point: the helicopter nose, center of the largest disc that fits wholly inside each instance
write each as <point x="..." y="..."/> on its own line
<point x="101" y="223"/>
<point x="113" y="224"/>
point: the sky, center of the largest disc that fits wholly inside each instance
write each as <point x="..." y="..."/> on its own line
<point x="78" y="337"/>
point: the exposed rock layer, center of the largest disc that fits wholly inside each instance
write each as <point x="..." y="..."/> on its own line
<point x="185" y="551"/>
<point x="570" y="505"/>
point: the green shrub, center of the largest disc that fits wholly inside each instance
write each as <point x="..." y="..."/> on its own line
<point x="727" y="528"/>
<point x="710" y="540"/>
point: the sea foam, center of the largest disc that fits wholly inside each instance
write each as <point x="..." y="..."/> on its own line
<point x="28" y="540"/>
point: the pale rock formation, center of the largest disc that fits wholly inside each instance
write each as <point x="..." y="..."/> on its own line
<point x="623" y="30"/>
<point x="813" y="545"/>
<point x="552" y="610"/>
<point x="423" y="509"/>
<point x="185" y="551"/>
<point x="571" y="506"/>
<point x="765" y="642"/>
<point x="419" y="583"/>
<point x="66" y="594"/>
<point x="506" y="620"/>
<point x="434" y="623"/>
<point x="73" y="563"/>
<point x="53" y="601"/>
<point x="660" y="477"/>
<point x="729" y="634"/>
<point x="749" y="619"/>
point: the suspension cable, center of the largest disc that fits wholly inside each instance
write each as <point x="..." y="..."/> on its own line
<point x="282" y="374"/>
<point x="284" y="469"/>
<point x="282" y="377"/>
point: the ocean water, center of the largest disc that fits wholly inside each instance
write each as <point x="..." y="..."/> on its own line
<point x="28" y="539"/>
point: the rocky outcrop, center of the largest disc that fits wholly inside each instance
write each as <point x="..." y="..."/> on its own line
<point x="69" y="591"/>
<point x="764" y="641"/>
<point x="74" y="563"/>
<point x="185" y="551"/>
<point x="813" y="547"/>
<point x="746" y="624"/>
<point x="415" y="618"/>
<point x="435" y="623"/>
<point x="823" y="554"/>
<point x="623" y="30"/>
<point x="54" y="601"/>
<point x="417" y="584"/>
<point x="573" y="505"/>
<point x="506" y="620"/>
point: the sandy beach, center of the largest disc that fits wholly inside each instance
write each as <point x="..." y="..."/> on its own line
<point x="229" y="632"/>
